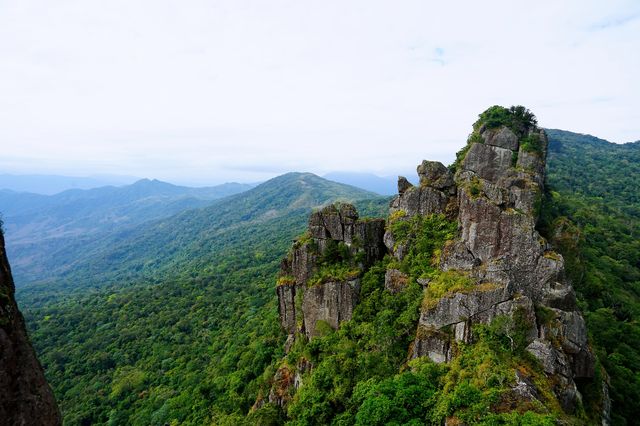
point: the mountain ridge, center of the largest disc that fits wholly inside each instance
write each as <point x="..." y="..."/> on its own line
<point x="201" y="336"/>
<point x="291" y="193"/>
<point x="39" y="226"/>
<point x="485" y="291"/>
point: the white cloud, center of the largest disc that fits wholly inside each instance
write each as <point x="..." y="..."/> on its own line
<point x="213" y="90"/>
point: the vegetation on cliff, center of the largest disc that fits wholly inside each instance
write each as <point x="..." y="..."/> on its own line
<point x="361" y="374"/>
<point x="191" y="336"/>
<point x="592" y="215"/>
<point x="177" y="336"/>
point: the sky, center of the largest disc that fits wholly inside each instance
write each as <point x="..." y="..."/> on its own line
<point x="211" y="91"/>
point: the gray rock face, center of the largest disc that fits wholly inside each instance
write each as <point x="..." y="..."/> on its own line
<point x="303" y="259"/>
<point x="403" y="184"/>
<point x="435" y="175"/>
<point x="436" y="193"/>
<point x="331" y="302"/>
<point x="287" y="307"/>
<point x="502" y="137"/>
<point x="422" y="201"/>
<point x="488" y="162"/>
<point x="25" y="396"/>
<point x="432" y="343"/>
<point x="499" y="187"/>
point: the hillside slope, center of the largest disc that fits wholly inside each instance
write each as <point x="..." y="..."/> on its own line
<point x="44" y="232"/>
<point x="190" y="238"/>
<point x="592" y="215"/>
<point x="182" y="326"/>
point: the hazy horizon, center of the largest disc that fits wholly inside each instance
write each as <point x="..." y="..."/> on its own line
<point x="211" y="92"/>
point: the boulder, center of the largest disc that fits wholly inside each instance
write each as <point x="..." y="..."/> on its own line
<point x="435" y="175"/>
<point x="403" y="185"/>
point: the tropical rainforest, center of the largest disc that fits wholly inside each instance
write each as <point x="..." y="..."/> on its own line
<point x="175" y="320"/>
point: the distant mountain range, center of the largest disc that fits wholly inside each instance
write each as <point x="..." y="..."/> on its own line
<point x="53" y="184"/>
<point x="386" y="185"/>
<point x="38" y="226"/>
<point x="104" y="230"/>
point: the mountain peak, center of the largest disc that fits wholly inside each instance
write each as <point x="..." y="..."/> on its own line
<point x="495" y="270"/>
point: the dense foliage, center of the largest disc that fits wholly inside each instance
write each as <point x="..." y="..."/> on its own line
<point x="517" y="118"/>
<point x="177" y="331"/>
<point x="175" y="322"/>
<point x="592" y="215"/>
<point x="361" y="374"/>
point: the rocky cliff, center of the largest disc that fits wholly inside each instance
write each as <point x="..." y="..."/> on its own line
<point x="497" y="266"/>
<point x="25" y="396"/>
<point x="515" y="272"/>
<point x="320" y="278"/>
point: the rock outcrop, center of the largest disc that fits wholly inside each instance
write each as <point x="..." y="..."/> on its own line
<point x="25" y="397"/>
<point x="499" y="190"/>
<point x="507" y="269"/>
<point x="309" y="292"/>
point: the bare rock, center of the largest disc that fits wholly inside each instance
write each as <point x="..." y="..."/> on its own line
<point x="369" y="237"/>
<point x="553" y="361"/>
<point x="435" y="175"/>
<point x="462" y="306"/>
<point x="286" y="307"/>
<point x="501" y="137"/>
<point x="403" y="185"/>
<point x="432" y="343"/>
<point x="303" y="261"/>
<point x="488" y="162"/>
<point x="331" y="302"/>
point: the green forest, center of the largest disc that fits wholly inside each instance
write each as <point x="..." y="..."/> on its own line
<point x="592" y="216"/>
<point x="179" y="325"/>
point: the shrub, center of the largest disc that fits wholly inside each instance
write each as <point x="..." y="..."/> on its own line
<point x="444" y="284"/>
<point x="531" y="143"/>
<point x="517" y="118"/>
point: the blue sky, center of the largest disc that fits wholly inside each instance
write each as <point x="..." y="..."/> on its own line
<point x="212" y="91"/>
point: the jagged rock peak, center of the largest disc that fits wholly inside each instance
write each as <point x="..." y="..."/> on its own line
<point x="498" y="183"/>
<point x="497" y="269"/>
<point x="335" y="235"/>
<point x="25" y="396"/>
<point x="435" y="175"/>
